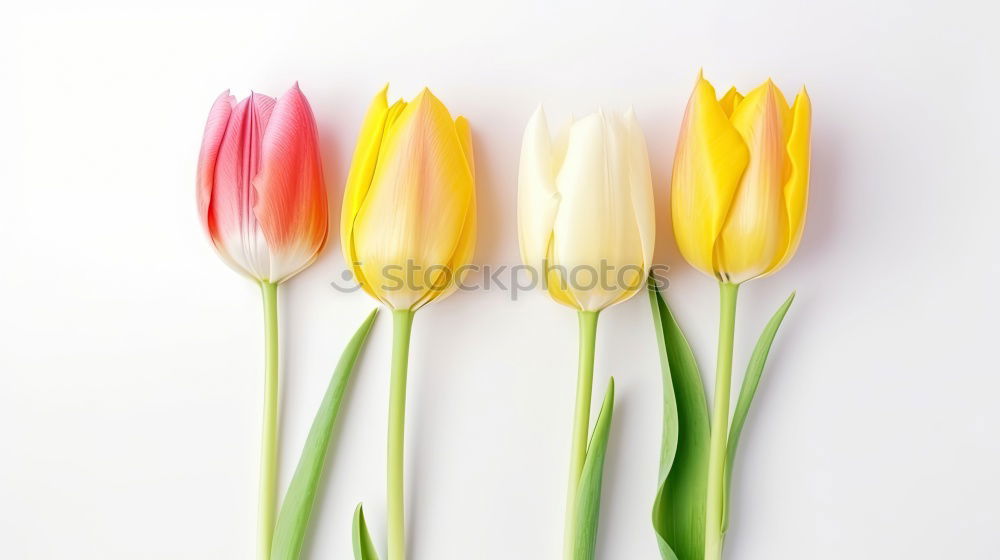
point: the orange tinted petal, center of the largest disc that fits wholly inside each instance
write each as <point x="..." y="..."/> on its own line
<point x="291" y="203"/>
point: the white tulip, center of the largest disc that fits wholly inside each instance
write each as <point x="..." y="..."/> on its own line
<point x="585" y="208"/>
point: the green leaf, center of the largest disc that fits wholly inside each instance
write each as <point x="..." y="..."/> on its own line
<point x="364" y="549"/>
<point x="588" y="502"/>
<point x="679" y="509"/>
<point x="293" y="519"/>
<point x="750" y="382"/>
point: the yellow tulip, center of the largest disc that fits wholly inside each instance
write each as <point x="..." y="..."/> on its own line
<point x="409" y="215"/>
<point x="740" y="180"/>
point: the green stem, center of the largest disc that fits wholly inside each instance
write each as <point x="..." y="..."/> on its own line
<point x="269" y="437"/>
<point x="581" y="423"/>
<point x="720" y="422"/>
<point x="402" y="322"/>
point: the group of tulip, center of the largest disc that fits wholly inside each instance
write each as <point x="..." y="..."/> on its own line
<point x="585" y="203"/>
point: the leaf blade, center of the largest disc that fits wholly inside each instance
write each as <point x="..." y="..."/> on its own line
<point x="588" y="503"/>
<point x="293" y="519"/>
<point x="679" y="509"/>
<point x="751" y="380"/>
<point x="364" y="548"/>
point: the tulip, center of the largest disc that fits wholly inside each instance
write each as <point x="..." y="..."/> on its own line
<point x="740" y="180"/>
<point x="262" y="201"/>
<point x="409" y="217"/>
<point x="408" y="230"/>
<point x="586" y="227"/>
<point x="260" y="185"/>
<point x="738" y="199"/>
<point x="585" y="209"/>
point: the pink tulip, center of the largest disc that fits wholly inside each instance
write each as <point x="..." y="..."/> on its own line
<point x="262" y="200"/>
<point x="260" y="184"/>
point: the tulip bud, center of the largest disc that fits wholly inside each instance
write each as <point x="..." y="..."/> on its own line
<point x="741" y="175"/>
<point x="260" y="185"/>
<point x="409" y="216"/>
<point x="585" y="208"/>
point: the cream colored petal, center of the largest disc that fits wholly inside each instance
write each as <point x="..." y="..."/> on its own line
<point x="560" y="142"/>
<point x="537" y="199"/>
<point x="641" y="183"/>
<point x="557" y="282"/>
<point x="754" y="235"/>
<point x="710" y="159"/>
<point x="797" y="187"/>
<point x="595" y="234"/>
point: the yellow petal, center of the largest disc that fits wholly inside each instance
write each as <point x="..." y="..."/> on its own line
<point x="730" y="101"/>
<point x="711" y="157"/>
<point x="359" y="179"/>
<point x="465" y="137"/>
<point x="754" y="235"/>
<point x="453" y="274"/>
<point x="412" y="219"/>
<point x="363" y="164"/>
<point x="797" y="186"/>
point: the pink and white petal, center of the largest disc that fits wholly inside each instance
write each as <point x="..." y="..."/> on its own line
<point x="215" y="128"/>
<point x="291" y="200"/>
<point x="231" y="220"/>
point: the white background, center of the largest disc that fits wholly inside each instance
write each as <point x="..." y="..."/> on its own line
<point x="131" y="356"/>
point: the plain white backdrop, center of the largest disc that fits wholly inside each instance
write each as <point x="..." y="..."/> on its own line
<point x="131" y="356"/>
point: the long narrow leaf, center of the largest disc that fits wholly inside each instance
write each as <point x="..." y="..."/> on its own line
<point x="588" y="503"/>
<point x="679" y="509"/>
<point x="364" y="549"/>
<point x="293" y="519"/>
<point x="750" y="383"/>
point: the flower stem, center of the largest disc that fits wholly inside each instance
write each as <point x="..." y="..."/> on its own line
<point x="720" y="422"/>
<point x="402" y="322"/>
<point x="581" y="423"/>
<point x="269" y="437"/>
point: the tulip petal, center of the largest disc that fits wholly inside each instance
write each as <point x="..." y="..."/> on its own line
<point x="451" y="277"/>
<point x="711" y="157"/>
<point x="291" y="203"/>
<point x="467" y="240"/>
<point x="756" y="226"/>
<point x="215" y="129"/>
<point x="595" y="234"/>
<point x="641" y="182"/>
<point x="537" y="198"/>
<point x="362" y="168"/>
<point x="418" y="201"/>
<point x="465" y="137"/>
<point x="231" y="219"/>
<point x="797" y="187"/>
<point x="644" y="214"/>
<point x="730" y="100"/>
